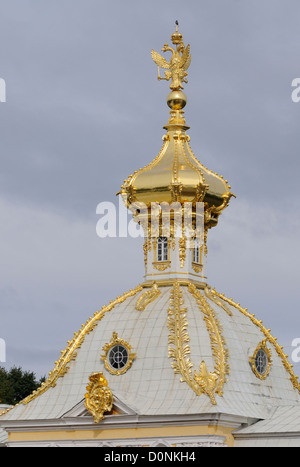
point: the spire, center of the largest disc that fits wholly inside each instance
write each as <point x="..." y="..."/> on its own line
<point x="175" y="70"/>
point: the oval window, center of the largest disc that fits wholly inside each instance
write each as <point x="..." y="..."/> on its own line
<point x="118" y="357"/>
<point x="261" y="360"/>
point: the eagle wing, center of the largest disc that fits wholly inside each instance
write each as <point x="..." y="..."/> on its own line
<point x="186" y="58"/>
<point x="159" y="60"/>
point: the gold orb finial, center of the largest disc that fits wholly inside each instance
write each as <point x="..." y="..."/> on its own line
<point x="176" y="100"/>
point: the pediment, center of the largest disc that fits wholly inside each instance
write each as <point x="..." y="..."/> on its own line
<point x="118" y="408"/>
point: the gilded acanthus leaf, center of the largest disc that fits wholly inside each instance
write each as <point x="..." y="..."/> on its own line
<point x="202" y="382"/>
<point x="218" y="346"/>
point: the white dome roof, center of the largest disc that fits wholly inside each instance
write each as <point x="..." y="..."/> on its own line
<point x="180" y="327"/>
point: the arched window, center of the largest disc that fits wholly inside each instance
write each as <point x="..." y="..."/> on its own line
<point x="162" y="249"/>
<point x="196" y="251"/>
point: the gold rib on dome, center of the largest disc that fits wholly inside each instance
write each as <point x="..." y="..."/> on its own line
<point x="176" y="174"/>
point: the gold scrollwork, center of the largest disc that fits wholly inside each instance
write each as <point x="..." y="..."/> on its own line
<point x="99" y="398"/>
<point x="125" y="352"/>
<point x="197" y="267"/>
<point x="161" y="265"/>
<point x="147" y="297"/>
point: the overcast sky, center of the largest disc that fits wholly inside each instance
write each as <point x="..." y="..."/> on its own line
<point x="84" y="110"/>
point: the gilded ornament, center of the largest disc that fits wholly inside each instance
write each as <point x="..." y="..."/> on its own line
<point x="99" y="398"/>
<point x="179" y="349"/>
<point x="161" y="265"/>
<point x="207" y="381"/>
<point x="197" y="267"/>
<point x="202" y="382"/>
<point x="147" y="297"/>
<point x="212" y="296"/>
<point x="176" y="68"/>
<point x="145" y="248"/>
<point x="182" y="250"/>
<point x="218" y="344"/>
<point x="175" y="190"/>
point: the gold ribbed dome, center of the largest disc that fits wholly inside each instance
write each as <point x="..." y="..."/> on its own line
<point x="176" y="175"/>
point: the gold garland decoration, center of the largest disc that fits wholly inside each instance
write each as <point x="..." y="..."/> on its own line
<point x="182" y="250"/>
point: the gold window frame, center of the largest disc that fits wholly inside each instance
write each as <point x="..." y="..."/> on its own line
<point x="261" y="346"/>
<point x="115" y="340"/>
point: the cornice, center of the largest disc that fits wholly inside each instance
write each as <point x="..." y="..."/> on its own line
<point x="128" y="421"/>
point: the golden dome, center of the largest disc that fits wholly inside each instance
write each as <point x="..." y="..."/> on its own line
<point x="176" y="175"/>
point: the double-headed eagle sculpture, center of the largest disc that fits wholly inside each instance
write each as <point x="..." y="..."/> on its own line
<point x="176" y="68"/>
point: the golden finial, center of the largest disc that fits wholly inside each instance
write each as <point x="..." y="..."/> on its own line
<point x="176" y="68"/>
<point x="177" y="36"/>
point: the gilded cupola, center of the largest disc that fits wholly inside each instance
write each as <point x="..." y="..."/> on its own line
<point x="176" y="175"/>
<point x="175" y="198"/>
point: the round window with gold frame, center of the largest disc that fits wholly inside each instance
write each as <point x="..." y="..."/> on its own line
<point x="261" y="361"/>
<point x="117" y="355"/>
